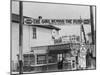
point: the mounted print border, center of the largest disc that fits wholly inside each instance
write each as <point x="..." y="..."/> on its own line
<point x="52" y="37"/>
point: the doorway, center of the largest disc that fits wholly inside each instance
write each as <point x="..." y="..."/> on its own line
<point x="60" y="60"/>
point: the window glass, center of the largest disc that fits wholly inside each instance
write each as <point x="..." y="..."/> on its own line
<point x="52" y="58"/>
<point x="34" y="33"/>
<point x="41" y="59"/>
<point x="32" y="59"/>
<point x="29" y="59"/>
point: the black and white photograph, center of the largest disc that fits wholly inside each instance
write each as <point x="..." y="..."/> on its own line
<point x="52" y="37"/>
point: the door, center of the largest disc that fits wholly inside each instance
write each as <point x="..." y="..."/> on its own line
<point x="60" y="61"/>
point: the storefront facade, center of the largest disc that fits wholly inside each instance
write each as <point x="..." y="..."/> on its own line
<point x="51" y="58"/>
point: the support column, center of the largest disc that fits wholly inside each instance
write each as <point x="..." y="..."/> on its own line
<point x="20" y="37"/>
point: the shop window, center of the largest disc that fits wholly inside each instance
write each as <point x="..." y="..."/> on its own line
<point x="34" y="33"/>
<point x="26" y="60"/>
<point x="52" y="58"/>
<point x="41" y="59"/>
<point x="32" y="59"/>
<point x="29" y="59"/>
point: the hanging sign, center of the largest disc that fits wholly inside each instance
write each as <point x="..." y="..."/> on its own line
<point x="34" y="21"/>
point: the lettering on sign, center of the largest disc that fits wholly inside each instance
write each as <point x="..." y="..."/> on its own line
<point x="59" y="47"/>
<point x="55" y="21"/>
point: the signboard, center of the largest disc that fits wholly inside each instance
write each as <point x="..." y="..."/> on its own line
<point x="34" y="21"/>
<point x="40" y="51"/>
<point x="59" y="47"/>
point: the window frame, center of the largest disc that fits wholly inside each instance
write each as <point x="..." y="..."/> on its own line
<point x="43" y="61"/>
<point x="34" y="32"/>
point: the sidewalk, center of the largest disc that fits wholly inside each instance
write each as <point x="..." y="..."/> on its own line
<point x="53" y="70"/>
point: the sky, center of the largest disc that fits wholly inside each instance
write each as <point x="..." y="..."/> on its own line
<point x="52" y="10"/>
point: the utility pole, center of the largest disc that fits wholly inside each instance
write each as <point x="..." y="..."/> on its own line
<point x="92" y="24"/>
<point x="82" y="32"/>
<point x="20" y="37"/>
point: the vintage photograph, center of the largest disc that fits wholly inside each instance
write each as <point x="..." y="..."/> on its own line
<point x="52" y="37"/>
